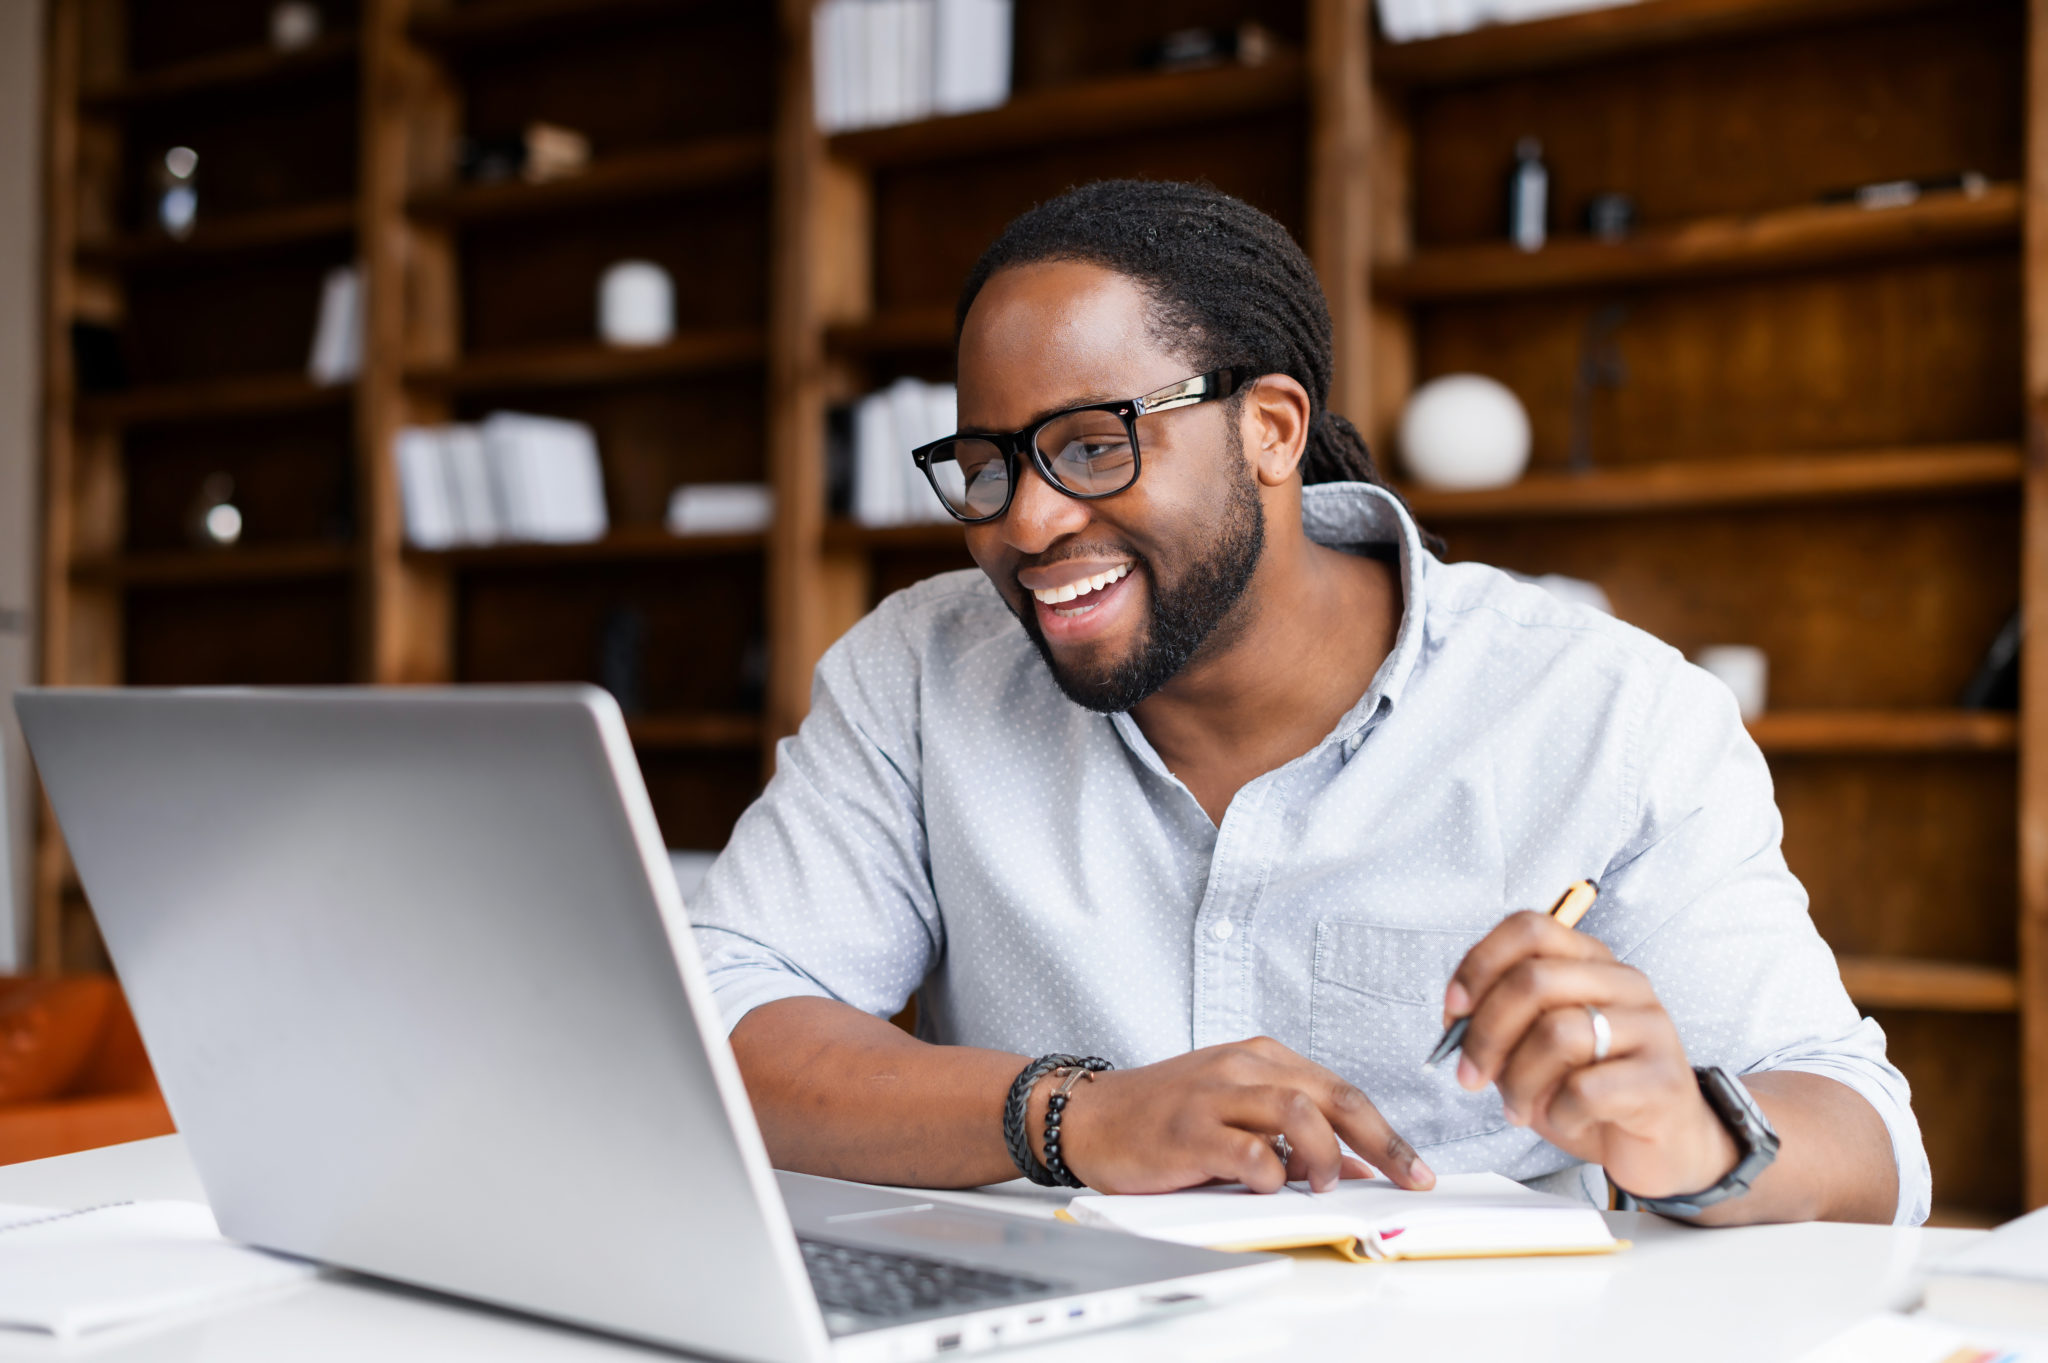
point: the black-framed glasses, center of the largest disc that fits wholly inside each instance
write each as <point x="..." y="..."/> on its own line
<point x="1085" y="452"/>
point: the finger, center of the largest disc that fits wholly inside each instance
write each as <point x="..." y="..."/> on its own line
<point x="1558" y="1043"/>
<point x="1239" y="1156"/>
<point x="1354" y="1167"/>
<point x="1281" y="1109"/>
<point x="1531" y="988"/>
<point x="1367" y="1132"/>
<point x="1519" y="936"/>
<point x="1616" y="1093"/>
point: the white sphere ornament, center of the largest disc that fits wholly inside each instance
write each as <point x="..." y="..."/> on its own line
<point x="1465" y="431"/>
<point x="636" y="304"/>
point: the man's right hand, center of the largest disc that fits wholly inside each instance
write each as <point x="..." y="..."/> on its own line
<point x="1210" y="1116"/>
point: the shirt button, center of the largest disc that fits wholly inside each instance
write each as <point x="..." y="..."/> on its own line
<point x="1221" y="929"/>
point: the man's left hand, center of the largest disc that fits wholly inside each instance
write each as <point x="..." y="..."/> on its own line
<point x="1639" y="1112"/>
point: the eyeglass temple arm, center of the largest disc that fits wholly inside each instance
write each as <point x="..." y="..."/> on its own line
<point x="1187" y="392"/>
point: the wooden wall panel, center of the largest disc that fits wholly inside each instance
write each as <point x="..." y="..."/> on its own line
<point x="1732" y="127"/>
<point x="700" y="618"/>
<point x="249" y="634"/>
<point x="698" y="797"/>
<point x="253" y="316"/>
<point x="1965" y="1074"/>
<point x="1919" y="352"/>
<point x="1906" y="856"/>
<point x="709" y="72"/>
<point x="534" y="283"/>
<point x="933" y="222"/>
<point x="1060" y="42"/>
<point x="292" y="476"/>
<point x="1858" y="606"/>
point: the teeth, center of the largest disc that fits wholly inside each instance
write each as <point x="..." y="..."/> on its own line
<point x="1052" y="596"/>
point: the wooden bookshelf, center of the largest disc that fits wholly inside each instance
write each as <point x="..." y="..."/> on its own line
<point x="204" y="400"/>
<point x="1817" y="444"/>
<point x="244" y="70"/>
<point x="702" y="165"/>
<point x="1749" y="480"/>
<point x="1759" y="243"/>
<point x="1942" y="986"/>
<point x="583" y="364"/>
<point x="1082" y="112"/>
<point x="629" y="545"/>
<point x="210" y="240"/>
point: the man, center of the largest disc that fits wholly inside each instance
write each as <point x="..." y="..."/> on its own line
<point x="1249" y="804"/>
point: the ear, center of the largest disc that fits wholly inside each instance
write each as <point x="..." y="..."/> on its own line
<point x="1274" y="423"/>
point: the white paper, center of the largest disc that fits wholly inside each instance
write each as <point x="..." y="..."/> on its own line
<point x="423" y="489"/>
<point x="337" y="355"/>
<point x="1463" y="1214"/>
<point x="70" y="1274"/>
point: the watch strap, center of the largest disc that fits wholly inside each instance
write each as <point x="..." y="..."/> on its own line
<point x="1755" y="1142"/>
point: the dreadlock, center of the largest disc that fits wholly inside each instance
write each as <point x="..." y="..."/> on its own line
<point x="1227" y="283"/>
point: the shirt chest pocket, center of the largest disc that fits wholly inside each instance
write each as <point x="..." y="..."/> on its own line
<point x="1376" y="1009"/>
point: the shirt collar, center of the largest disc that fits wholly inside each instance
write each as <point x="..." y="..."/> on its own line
<point x="1351" y="517"/>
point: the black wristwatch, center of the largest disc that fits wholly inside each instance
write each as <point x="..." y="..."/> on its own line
<point x="1754" y="1138"/>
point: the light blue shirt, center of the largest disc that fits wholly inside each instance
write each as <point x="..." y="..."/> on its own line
<point x="948" y="824"/>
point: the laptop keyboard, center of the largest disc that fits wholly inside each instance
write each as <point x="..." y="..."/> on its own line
<point x="875" y="1283"/>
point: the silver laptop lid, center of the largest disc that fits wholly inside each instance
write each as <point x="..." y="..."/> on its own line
<point x="414" y="974"/>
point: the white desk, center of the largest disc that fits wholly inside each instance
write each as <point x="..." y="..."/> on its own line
<point x="1754" y="1295"/>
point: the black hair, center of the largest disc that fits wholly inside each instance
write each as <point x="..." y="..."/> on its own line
<point x="1228" y="286"/>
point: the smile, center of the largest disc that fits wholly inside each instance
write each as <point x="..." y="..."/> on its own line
<point x="1054" y="597"/>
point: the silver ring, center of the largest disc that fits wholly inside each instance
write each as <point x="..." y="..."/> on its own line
<point x="1284" y="1150"/>
<point x="1603" y="1034"/>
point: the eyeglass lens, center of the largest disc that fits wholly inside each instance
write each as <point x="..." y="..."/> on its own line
<point x="1088" y="453"/>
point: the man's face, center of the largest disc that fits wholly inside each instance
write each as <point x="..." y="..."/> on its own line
<point x="1168" y="559"/>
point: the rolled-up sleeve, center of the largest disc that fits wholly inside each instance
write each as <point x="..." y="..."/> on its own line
<point x="825" y="887"/>
<point x="1703" y="903"/>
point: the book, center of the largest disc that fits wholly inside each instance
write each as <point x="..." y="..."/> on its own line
<point x="337" y="354"/>
<point x="547" y="479"/>
<point x="69" y="1273"/>
<point x="2000" y="1282"/>
<point x="720" y="509"/>
<point x="1466" y="1216"/>
<point x="423" y="489"/>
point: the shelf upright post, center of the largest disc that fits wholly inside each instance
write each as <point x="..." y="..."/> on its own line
<point x="82" y="473"/>
<point x="403" y="606"/>
<point x="819" y="276"/>
<point x="1339" y="190"/>
<point x="2033" y="811"/>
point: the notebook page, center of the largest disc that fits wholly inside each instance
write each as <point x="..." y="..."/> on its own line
<point x="1464" y="1213"/>
<point x="68" y="1273"/>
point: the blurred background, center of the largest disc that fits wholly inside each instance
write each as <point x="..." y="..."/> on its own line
<point x="584" y="340"/>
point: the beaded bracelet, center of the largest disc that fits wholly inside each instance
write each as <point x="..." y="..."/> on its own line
<point x="1016" y="1112"/>
<point x="1056" y="1105"/>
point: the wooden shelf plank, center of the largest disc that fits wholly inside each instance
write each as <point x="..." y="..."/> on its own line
<point x="240" y="396"/>
<point x="1510" y="49"/>
<point x="241" y="69"/>
<point x="199" y="567"/>
<point x="895" y="332"/>
<point x="1755" y="243"/>
<point x="1935" y="986"/>
<point x="696" y="732"/>
<point x="586" y="364"/>
<point x="844" y="536"/>
<point x="705" y="164"/>
<point x="489" y="23"/>
<point x="631" y="544"/>
<point x="300" y="223"/>
<point x="1748" y="480"/>
<point x="1789" y="732"/>
<point x="1083" y="112"/>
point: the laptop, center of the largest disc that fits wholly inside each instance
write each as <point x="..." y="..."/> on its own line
<point x="420" y="989"/>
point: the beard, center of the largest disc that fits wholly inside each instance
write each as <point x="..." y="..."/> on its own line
<point x="1185" y="616"/>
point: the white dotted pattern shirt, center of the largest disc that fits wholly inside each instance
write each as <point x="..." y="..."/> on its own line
<point x="947" y="824"/>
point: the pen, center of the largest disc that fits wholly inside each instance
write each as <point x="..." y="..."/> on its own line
<point x="1570" y="907"/>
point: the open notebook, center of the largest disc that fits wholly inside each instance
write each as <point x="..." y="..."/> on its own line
<point x="68" y="1273"/>
<point x="1466" y="1216"/>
